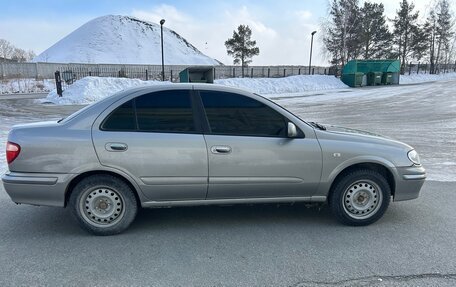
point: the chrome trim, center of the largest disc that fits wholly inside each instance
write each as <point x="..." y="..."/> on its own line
<point x="233" y="201"/>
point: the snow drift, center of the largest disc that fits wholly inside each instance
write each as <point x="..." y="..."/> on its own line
<point x="115" y="39"/>
<point x="92" y="89"/>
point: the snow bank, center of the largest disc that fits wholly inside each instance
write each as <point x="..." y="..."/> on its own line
<point x="292" y="84"/>
<point x="419" y="78"/>
<point x="92" y="89"/>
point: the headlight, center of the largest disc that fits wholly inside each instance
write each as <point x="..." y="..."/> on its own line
<point x="414" y="157"/>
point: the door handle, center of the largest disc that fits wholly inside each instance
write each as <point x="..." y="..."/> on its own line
<point x="217" y="149"/>
<point x="116" y="147"/>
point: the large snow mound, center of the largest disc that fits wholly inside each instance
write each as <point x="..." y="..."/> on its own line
<point x="420" y="78"/>
<point x="91" y="89"/>
<point x="115" y="39"/>
<point x="292" y="84"/>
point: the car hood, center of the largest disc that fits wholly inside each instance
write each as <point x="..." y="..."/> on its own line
<point x="349" y="134"/>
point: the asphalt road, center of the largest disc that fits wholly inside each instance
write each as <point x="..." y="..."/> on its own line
<point x="267" y="245"/>
<point x="413" y="244"/>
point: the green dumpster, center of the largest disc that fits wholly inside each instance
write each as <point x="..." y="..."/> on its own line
<point x="198" y="74"/>
<point x="387" y="78"/>
<point x="353" y="80"/>
<point x="374" y="78"/>
<point x="373" y="70"/>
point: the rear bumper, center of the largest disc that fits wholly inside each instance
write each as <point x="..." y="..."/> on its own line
<point x="36" y="188"/>
<point x="409" y="182"/>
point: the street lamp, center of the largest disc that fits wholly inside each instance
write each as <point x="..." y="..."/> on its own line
<point x="162" y="21"/>
<point x="311" y="46"/>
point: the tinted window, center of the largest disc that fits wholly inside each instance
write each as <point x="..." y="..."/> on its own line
<point x="121" y="119"/>
<point x="167" y="111"/>
<point x="234" y="114"/>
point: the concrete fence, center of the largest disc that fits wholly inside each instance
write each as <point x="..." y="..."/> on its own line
<point x="149" y="72"/>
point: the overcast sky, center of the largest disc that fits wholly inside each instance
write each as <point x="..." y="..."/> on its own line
<point x="282" y="28"/>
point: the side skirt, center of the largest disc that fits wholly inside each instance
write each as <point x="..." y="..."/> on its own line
<point x="229" y="201"/>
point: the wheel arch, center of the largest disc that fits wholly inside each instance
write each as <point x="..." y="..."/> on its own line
<point x="374" y="166"/>
<point x="87" y="174"/>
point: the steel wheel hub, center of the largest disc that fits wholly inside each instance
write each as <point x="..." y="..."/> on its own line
<point x="362" y="199"/>
<point x="102" y="206"/>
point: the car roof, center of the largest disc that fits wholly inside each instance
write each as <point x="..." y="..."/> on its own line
<point x="176" y="86"/>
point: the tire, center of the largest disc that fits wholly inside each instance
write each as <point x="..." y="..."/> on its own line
<point x="103" y="204"/>
<point x="360" y="198"/>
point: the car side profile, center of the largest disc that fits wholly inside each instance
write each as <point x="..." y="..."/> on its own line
<point x="201" y="144"/>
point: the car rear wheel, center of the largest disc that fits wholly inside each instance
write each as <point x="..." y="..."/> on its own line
<point x="360" y="198"/>
<point x="103" y="204"/>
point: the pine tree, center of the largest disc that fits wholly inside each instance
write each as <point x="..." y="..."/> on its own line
<point x="407" y="33"/>
<point x="241" y="47"/>
<point x="342" y="31"/>
<point x="375" y="36"/>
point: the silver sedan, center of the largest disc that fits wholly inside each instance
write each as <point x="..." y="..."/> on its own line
<point x="199" y="144"/>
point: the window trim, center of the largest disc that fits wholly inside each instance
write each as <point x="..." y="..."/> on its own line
<point x="193" y="106"/>
<point x="207" y="130"/>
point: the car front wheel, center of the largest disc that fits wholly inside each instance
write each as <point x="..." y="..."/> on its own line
<point x="360" y="198"/>
<point x="103" y="204"/>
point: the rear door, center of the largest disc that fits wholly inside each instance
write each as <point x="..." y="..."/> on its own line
<point x="155" y="138"/>
<point x="250" y="154"/>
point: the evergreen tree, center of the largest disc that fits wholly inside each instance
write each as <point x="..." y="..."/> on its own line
<point x="241" y="47"/>
<point x="375" y="36"/>
<point x="342" y="32"/>
<point x="407" y="34"/>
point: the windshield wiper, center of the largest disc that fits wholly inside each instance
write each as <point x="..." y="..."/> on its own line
<point x="318" y="126"/>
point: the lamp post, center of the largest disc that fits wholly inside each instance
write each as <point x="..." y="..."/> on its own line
<point x="311" y="46"/>
<point x="162" y="21"/>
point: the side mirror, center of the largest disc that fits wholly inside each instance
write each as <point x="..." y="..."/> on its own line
<point x="292" y="132"/>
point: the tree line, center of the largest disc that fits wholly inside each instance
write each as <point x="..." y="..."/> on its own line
<point x="10" y="52"/>
<point x="363" y="32"/>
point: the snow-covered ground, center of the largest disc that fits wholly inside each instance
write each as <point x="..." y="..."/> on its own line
<point x="16" y="86"/>
<point x="421" y="77"/>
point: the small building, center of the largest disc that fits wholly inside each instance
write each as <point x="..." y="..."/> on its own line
<point x="197" y="74"/>
<point x="358" y="73"/>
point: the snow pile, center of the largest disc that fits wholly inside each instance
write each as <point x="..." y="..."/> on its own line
<point x="115" y="39"/>
<point x="92" y="89"/>
<point x="292" y="84"/>
<point x="20" y="86"/>
<point x="419" y="78"/>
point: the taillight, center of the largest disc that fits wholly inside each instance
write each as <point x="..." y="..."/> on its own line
<point x="12" y="151"/>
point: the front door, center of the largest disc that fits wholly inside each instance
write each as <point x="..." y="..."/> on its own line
<point x="250" y="155"/>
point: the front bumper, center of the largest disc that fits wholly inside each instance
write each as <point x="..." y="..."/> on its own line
<point x="409" y="181"/>
<point x="36" y="188"/>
